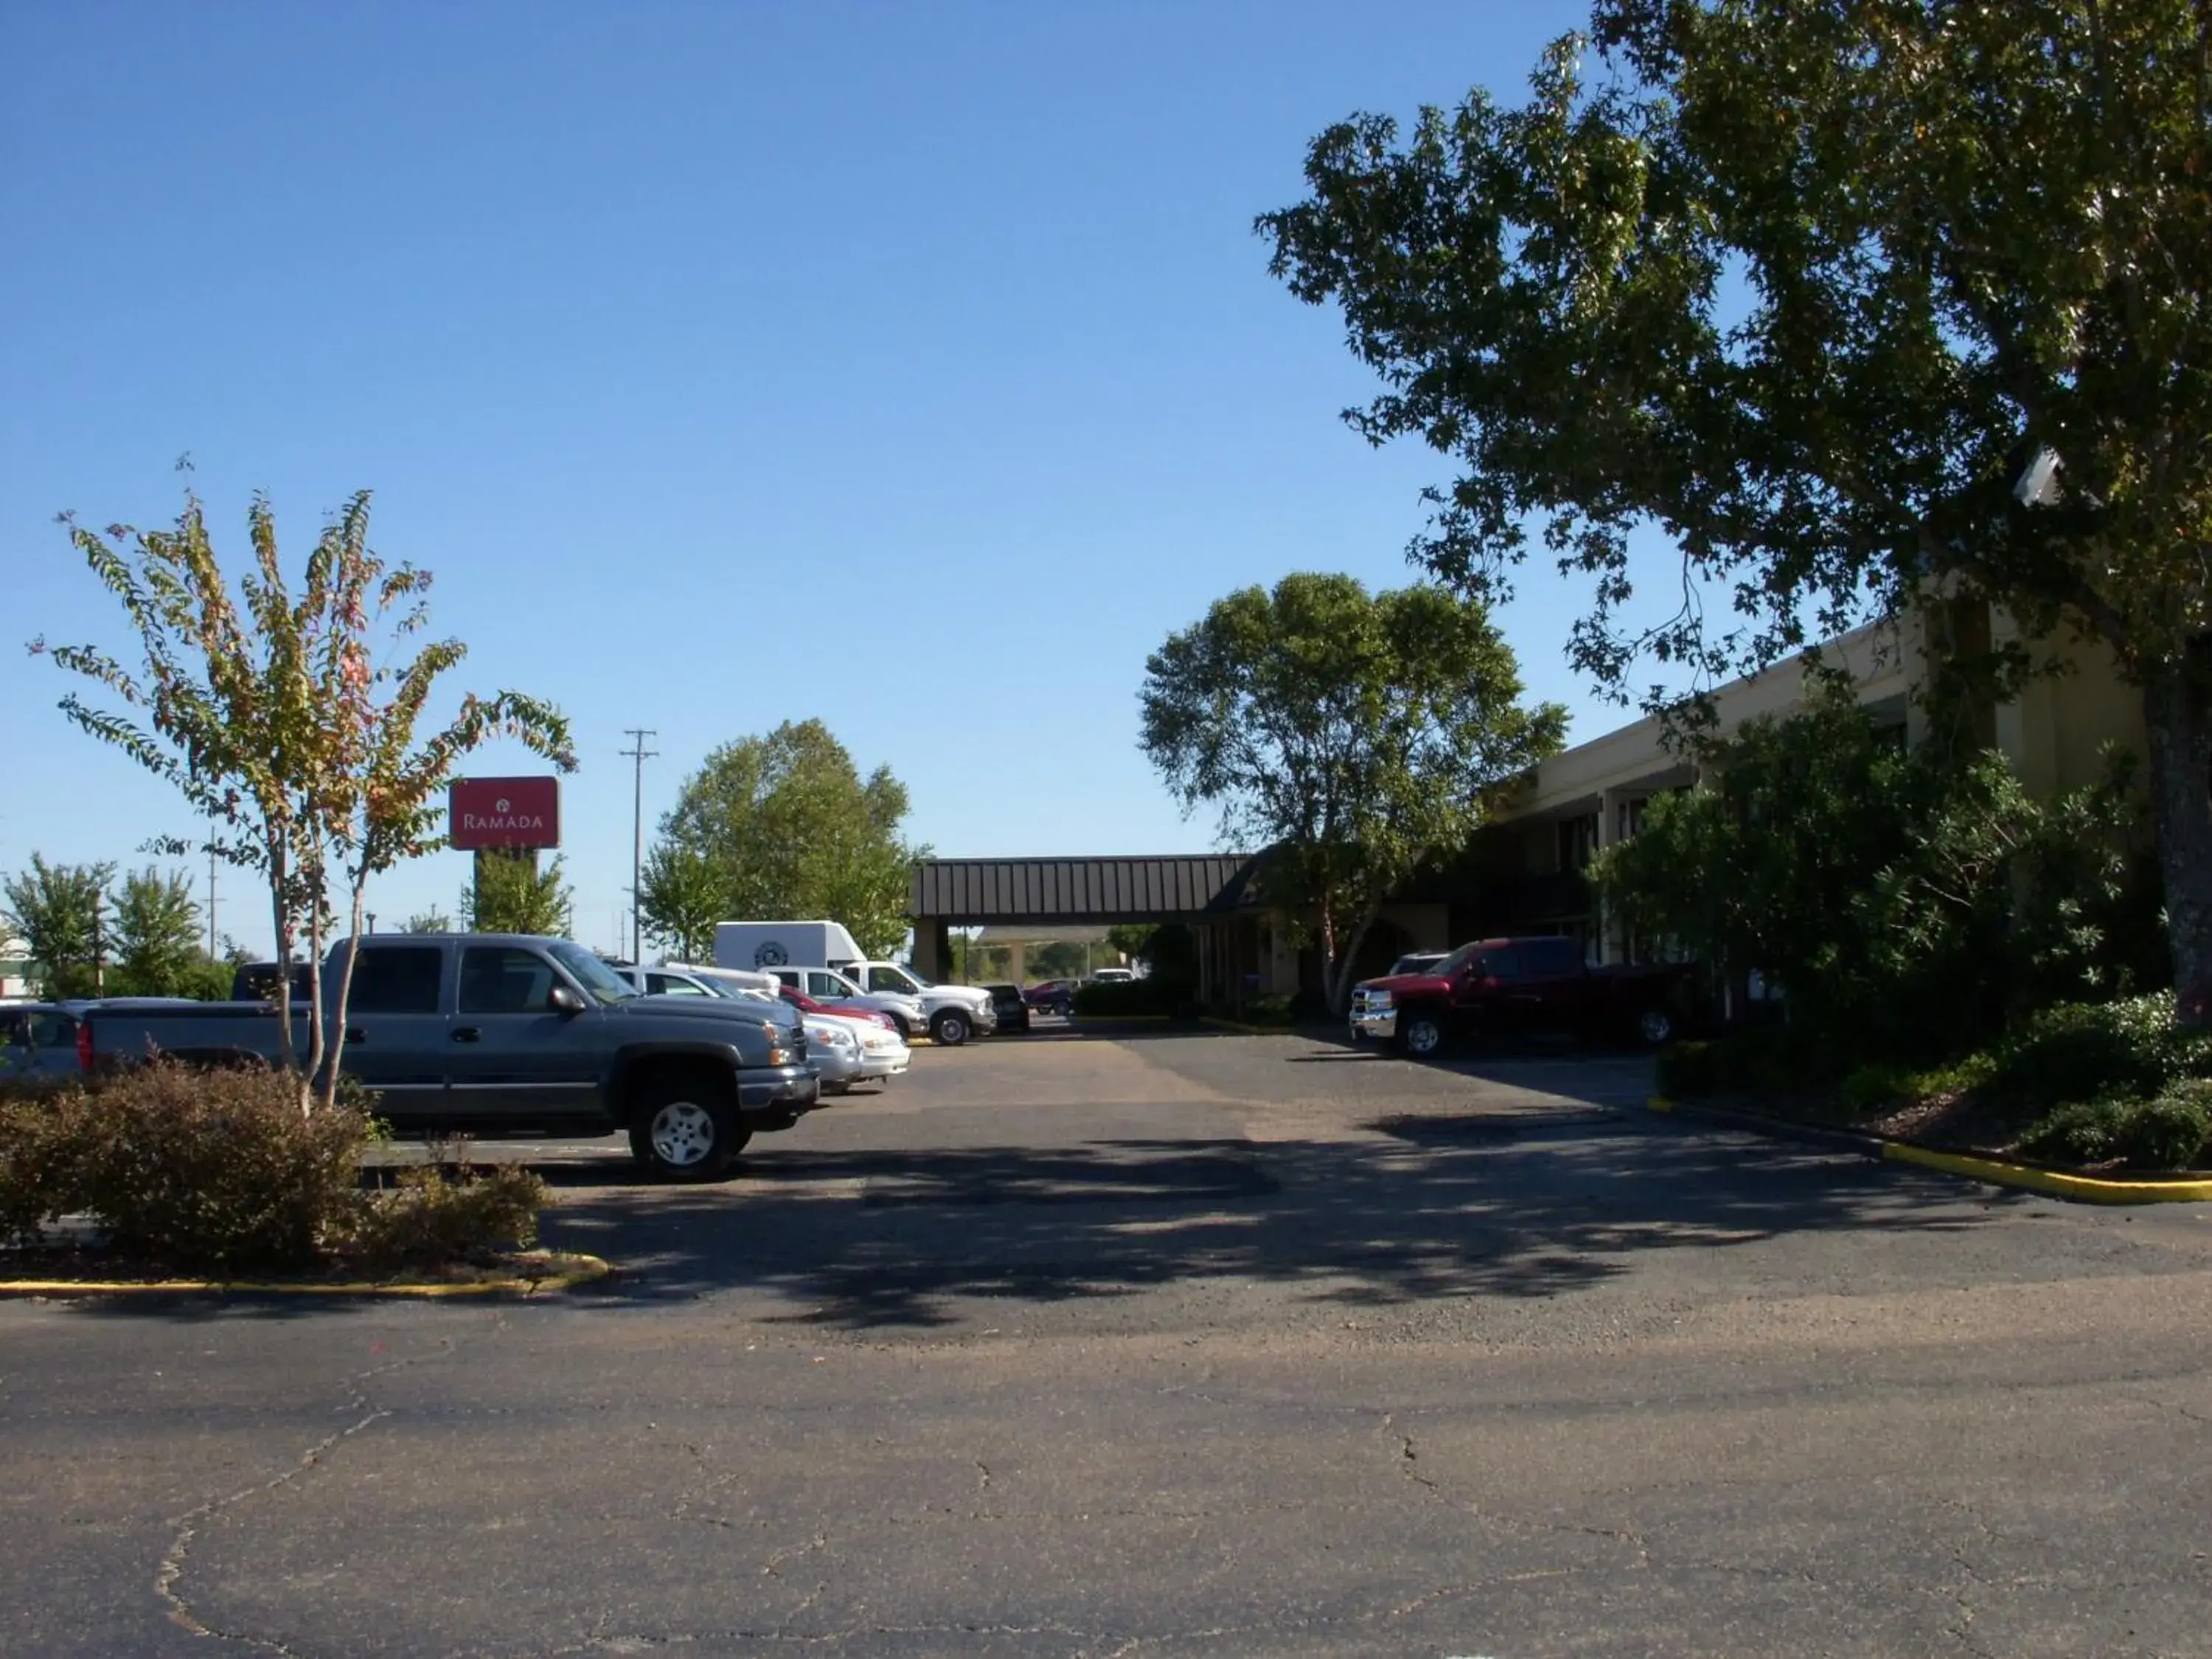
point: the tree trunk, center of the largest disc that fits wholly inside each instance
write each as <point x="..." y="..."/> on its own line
<point x="1328" y="941"/>
<point x="2178" y="720"/>
<point x="329" y="1092"/>
<point x="279" y="875"/>
<point x="1340" y="985"/>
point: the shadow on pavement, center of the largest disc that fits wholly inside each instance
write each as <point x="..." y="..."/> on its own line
<point x="1529" y="1206"/>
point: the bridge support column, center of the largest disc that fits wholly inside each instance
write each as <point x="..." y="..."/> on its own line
<point x="932" y="949"/>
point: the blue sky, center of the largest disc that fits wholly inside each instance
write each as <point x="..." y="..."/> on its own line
<point x="913" y="366"/>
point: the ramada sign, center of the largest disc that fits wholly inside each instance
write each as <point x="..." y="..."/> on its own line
<point x="505" y="812"/>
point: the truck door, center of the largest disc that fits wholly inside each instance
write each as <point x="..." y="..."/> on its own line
<point x="1492" y="996"/>
<point x="511" y="1054"/>
<point x="396" y="1029"/>
<point x="1555" y="984"/>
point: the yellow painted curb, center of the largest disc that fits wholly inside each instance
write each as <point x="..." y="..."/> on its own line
<point x="2091" y="1189"/>
<point x="583" y="1270"/>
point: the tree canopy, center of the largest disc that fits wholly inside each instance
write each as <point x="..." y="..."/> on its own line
<point x="1853" y="300"/>
<point x="1358" y="735"/>
<point x="1904" y="900"/>
<point x="781" y="826"/>
<point x="512" y="895"/>
<point x="61" y="912"/>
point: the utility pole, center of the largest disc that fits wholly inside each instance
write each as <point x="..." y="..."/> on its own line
<point x="211" y="955"/>
<point x="639" y="753"/>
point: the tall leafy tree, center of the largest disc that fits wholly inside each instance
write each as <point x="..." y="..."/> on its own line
<point x="158" y="946"/>
<point x="284" y="714"/>
<point x="1853" y="299"/>
<point x="60" y="911"/>
<point x="1358" y="734"/>
<point x="512" y="895"/>
<point x="432" y="920"/>
<point x="683" y="894"/>
<point x="784" y="826"/>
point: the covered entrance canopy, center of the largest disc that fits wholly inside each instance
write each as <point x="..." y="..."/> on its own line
<point x="1191" y="888"/>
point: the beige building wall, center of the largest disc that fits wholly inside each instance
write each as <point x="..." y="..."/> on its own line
<point x="2056" y="734"/>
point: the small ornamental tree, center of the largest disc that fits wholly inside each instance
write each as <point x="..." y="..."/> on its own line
<point x="1358" y="735"/>
<point x="273" y="717"/>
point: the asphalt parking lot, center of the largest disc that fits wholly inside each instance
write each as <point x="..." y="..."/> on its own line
<point x="1174" y="1343"/>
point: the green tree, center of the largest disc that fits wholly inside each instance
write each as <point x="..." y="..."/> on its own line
<point x="683" y="894"/>
<point x="1905" y="902"/>
<point x="1849" y="298"/>
<point x="1358" y="734"/>
<point x="432" y="920"/>
<point x="60" y="911"/>
<point x="511" y="895"/>
<point x="287" y="720"/>
<point x="784" y="826"/>
<point x="158" y="946"/>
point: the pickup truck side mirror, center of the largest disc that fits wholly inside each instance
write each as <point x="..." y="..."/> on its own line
<point x="565" y="1001"/>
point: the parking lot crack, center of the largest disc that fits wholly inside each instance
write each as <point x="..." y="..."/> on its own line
<point x="170" y="1569"/>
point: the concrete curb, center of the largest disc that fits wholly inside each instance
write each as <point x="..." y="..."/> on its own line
<point x="582" y="1270"/>
<point x="1995" y="1171"/>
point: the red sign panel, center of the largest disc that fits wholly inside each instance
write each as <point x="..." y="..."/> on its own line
<point x="505" y="812"/>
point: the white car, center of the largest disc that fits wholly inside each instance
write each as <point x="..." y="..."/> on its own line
<point x="844" y="1049"/>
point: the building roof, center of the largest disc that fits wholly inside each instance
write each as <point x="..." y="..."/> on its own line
<point x="1080" y="889"/>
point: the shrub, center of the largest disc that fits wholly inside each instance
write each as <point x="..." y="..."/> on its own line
<point x="219" y="1171"/>
<point x="209" y="1169"/>
<point x="2168" y="1132"/>
<point x="449" y="1212"/>
<point x="1871" y="1088"/>
<point x="2071" y="1051"/>
<point x="1762" y="1060"/>
<point x="1278" y="1008"/>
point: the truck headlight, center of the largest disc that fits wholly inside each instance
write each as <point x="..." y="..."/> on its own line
<point x="1377" y="1001"/>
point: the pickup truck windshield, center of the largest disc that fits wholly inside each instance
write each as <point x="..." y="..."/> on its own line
<point x="599" y="980"/>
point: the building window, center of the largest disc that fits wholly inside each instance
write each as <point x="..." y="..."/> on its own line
<point x="1577" y="842"/>
<point x="1628" y="818"/>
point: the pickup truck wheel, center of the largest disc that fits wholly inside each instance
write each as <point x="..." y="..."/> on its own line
<point x="1419" y="1035"/>
<point x="949" y="1027"/>
<point x="681" y="1134"/>
<point x="1656" y="1026"/>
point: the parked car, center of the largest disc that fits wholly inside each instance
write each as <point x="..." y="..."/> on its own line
<point x="1111" y="976"/>
<point x="512" y="1031"/>
<point x="950" y="1020"/>
<point x="1013" y="1008"/>
<point x="884" y="1053"/>
<point x="1511" y="987"/>
<point x="38" y="1039"/>
<point x="1051" y="996"/>
<point x="950" y="1013"/>
<point x="662" y="981"/>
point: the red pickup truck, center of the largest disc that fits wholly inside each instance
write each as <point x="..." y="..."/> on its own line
<point x="1509" y="986"/>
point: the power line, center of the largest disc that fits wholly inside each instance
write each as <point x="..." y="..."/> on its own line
<point x="639" y="753"/>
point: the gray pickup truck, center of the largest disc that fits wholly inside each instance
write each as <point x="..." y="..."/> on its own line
<point x="501" y="1032"/>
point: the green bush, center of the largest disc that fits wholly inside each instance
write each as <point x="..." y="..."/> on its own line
<point x="1277" y="1008"/>
<point x="2074" y="1052"/>
<point x="1122" y="999"/>
<point x="2168" y="1132"/>
<point x="1873" y="1088"/>
<point x="213" y="1170"/>
<point x="219" y="1171"/>
<point x="447" y="1212"/>
<point x="1763" y="1060"/>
